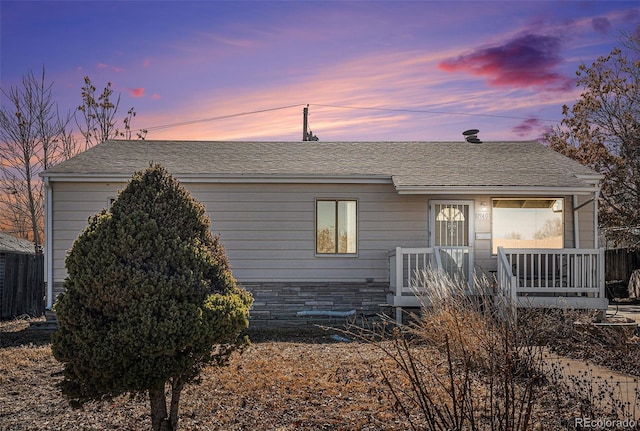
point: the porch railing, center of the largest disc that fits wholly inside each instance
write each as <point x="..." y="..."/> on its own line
<point x="553" y="277"/>
<point x="405" y="265"/>
<point x="530" y="277"/>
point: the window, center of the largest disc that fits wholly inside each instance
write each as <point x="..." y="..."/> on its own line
<point x="336" y="227"/>
<point x="527" y="223"/>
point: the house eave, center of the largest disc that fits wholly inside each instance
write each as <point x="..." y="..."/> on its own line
<point x="591" y="177"/>
<point x="334" y="179"/>
<point x="495" y="190"/>
<point x="228" y="178"/>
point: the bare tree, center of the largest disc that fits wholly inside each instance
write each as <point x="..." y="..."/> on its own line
<point x="602" y="131"/>
<point x="31" y="128"/>
<point x="98" y="116"/>
<point x="34" y="137"/>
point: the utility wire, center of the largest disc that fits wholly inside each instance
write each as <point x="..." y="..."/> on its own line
<point x="424" y="111"/>
<point x="414" y="111"/>
<point x="204" y="120"/>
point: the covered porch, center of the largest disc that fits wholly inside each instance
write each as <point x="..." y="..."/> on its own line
<point x="542" y="278"/>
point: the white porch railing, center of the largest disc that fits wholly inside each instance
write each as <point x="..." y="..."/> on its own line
<point x="404" y="265"/>
<point x="530" y="277"/>
<point x="567" y="277"/>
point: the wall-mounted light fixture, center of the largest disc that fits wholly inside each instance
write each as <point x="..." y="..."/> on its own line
<point x="482" y="213"/>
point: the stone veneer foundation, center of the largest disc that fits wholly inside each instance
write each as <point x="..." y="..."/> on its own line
<point x="277" y="303"/>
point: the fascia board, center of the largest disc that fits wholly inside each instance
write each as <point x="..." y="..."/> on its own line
<point x="592" y="177"/>
<point x="249" y="178"/>
<point x="495" y="191"/>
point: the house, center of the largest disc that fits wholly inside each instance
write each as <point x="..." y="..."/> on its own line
<point x="337" y="226"/>
<point x="21" y="278"/>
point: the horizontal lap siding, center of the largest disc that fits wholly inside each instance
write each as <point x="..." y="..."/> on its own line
<point x="586" y="222"/>
<point x="269" y="229"/>
<point x="73" y="204"/>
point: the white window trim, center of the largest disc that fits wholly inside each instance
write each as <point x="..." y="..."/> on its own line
<point x="315" y="229"/>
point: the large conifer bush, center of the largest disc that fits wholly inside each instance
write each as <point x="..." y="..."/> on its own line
<point x="149" y="299"/>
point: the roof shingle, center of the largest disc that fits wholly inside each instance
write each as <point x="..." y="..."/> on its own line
<point x="410" y="164"/>
<point x="12" y="244"/>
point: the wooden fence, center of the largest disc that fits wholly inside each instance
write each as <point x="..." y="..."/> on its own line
<point x="620" y="263"/>
<point x="23" y="289"/>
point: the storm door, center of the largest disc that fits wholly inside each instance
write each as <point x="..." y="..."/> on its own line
<point x="452" y="234"/>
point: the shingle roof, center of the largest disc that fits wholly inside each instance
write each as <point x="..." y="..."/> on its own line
<point x="408" y="164"/>
<point x="12" y="244"/>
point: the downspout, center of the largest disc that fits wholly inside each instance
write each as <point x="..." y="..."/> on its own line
<point x="596" y="231"/>
<point x="576" y="223"/>
<point x="48" y="240"/>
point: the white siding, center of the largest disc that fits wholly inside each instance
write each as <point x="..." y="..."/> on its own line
<point x="73" y="204"/>
<point x="585" y="221"/>
<point x="269" y="229"/>
<point x="484" y="262"/>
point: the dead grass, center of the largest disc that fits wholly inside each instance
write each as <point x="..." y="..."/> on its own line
<point x="306" y="382"/>
<point x="285" y="381"/>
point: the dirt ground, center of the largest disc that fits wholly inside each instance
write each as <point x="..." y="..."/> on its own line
<point x="287" y="380"/>
<point x="292" y="381"/>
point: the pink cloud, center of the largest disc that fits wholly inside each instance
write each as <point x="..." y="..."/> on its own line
<point x="112" y="68"/>
<point x="527" y="126"/>
<point x="136" y="92"/>
<point x="526" y="61"/>
<point x="155" y="96"/>
<point x="146" y="63"/>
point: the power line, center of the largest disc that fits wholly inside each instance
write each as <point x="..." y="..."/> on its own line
<point x="424" y="111"/>
<point x="413" y="111"/>
<point x="204" y="120"/>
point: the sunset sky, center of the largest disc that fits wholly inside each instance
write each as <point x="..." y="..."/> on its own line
<point x="370" y="70"/>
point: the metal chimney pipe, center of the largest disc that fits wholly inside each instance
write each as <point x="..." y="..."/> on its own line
<point x="305" y="124"/>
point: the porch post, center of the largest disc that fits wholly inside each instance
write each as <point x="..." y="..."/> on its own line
<point x="576" y="223"/>
<point x="399" y="272"/>
<point x="399" y="315"/>
<point x="596" y="232"/>
<point x="399" y="281"/>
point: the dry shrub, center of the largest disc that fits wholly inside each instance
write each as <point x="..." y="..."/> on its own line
<point x="464" y="363"/>
<point x="470" y="362"/>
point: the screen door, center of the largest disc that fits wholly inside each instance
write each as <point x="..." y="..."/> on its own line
<point x="452" y="234"/>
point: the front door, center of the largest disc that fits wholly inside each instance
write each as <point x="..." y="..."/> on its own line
<point x="452" y="234"/>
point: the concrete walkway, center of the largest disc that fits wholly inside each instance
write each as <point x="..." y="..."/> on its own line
<point x="626" y="310"/>
<point x="599" y="384"/>
<point x="605" y="388"/>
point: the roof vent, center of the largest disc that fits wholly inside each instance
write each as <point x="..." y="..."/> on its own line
<point x="471" y="136"/>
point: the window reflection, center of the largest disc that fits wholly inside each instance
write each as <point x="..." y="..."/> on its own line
<point x="336" y="227"/>
<point x="527" y="223"/>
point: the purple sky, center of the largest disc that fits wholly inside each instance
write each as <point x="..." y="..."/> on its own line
<point x="424" y="70"/>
